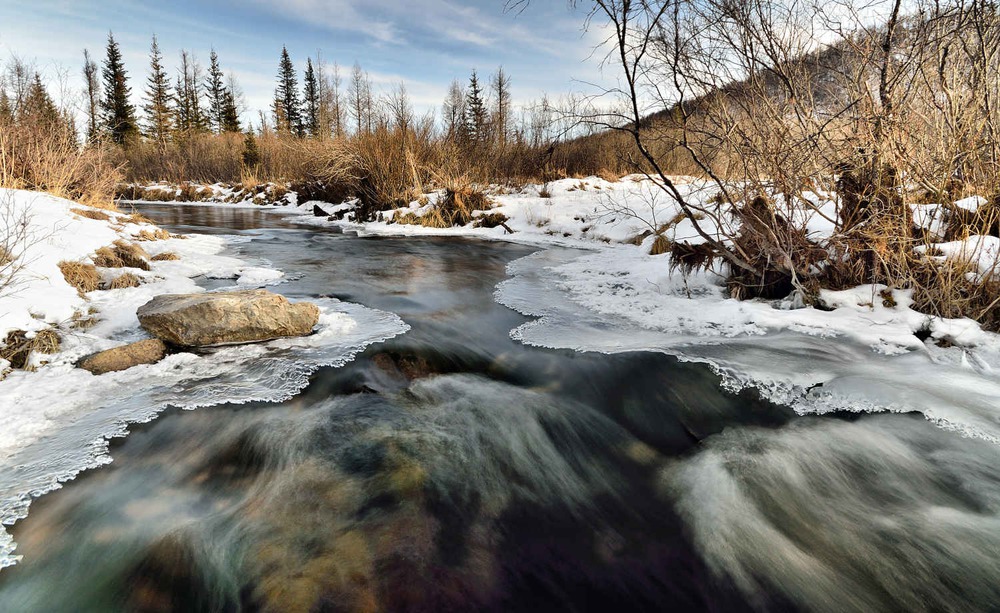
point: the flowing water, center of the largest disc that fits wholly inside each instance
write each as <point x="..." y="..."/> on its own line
<point x="452" y="468"/>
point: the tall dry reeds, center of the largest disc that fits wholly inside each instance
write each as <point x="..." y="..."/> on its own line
<point x="48" y="159"/>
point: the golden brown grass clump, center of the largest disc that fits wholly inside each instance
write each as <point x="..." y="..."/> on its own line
<point x="158" y="234"/>
<point x="91" y="214"/>
<point x="167" y="256"/>
<point x="661" y="245"/>
<point x="124" y="281"/>
<point x="84" y="277"/>
<point x="122" y="255"/>
<point x="454" y="208"/>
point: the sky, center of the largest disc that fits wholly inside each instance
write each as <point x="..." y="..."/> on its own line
<point x="422" y="43"/>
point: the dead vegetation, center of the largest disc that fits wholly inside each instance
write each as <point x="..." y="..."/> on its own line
<point x="122" y="254"/>
<point x="18" y="346"/>
<point x="91" y="214"/>
<point x="81" y="275"/>
<point x="158" y="234"/>
<point x="124" y="281"/>
<point x="167" y="256"/>
<point x="455" y="207"/>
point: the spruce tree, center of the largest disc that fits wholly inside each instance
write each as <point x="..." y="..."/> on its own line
<point x="230" y="114"/>
<point x="287" y="110"/>
<point x="312" y="100"/>
<point x="6" y="108"/>
<point x="118" y="112"/>
<point x="159" y="115"/>
<point x="251" y="153"/>
<point x="216" y="91"/>
<point x="475" y="111"/>
<point x="38" y="108"/>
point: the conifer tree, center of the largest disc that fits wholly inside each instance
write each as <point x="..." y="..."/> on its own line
<point x="230" y="114"/>
<point x="310" y="88"/>
<point x="159" y="115"/>
<point x="287" y="110"/>
<point x="6" y="108"/>
<point x="475" y="111"/>
<point x="118" y="112"/>
<point x="251" y="153"/>
<point x="92" y="90"/>
<point x="38" y="107"/>
<point x="216" y="91"/>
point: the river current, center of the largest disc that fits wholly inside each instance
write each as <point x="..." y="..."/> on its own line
<point x="453" y="468"/>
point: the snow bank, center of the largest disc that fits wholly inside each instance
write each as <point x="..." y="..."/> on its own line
<point x="56" y="422"/>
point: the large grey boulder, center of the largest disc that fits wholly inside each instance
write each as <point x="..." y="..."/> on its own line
<point x="124" y="357"/>
<point x="197" y="320"/>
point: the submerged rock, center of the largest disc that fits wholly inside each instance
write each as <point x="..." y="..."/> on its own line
<point x="124" y="357"/>
<point x="196" y="320"/>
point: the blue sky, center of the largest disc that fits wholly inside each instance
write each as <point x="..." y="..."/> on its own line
<point x="424" y="43"/>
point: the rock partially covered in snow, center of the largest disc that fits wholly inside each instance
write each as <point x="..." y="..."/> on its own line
<point x="125" y="357"/>
<point x="196" y="320"/>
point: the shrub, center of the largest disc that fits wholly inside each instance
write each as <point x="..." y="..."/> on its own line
<point x="47" y="158"/>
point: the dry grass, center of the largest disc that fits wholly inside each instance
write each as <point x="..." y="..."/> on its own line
<point x="17" y="347"/>
<point x="122" y="255"/>
<point x="661" y="245"/>
<point x="91" y="214"/>
<point x="48" y="159"/>
<point x="84" y="277"/>
<point x="137" y="218"/>
<point x="158" y="234"/>
<point x="455" y="208"/>
<point x="167" y="256"/>
<point x="124" y="281"/>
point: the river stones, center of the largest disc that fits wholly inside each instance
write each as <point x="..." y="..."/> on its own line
<point x="124" y="357"/>
<point x="217" y="318"/>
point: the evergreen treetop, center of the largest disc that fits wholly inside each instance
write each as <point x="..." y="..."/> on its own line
<point x="287" y="110"/>
<point x="118" y="112"/>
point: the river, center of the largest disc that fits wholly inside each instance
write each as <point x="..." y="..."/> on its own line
<point x="452" y="468"/>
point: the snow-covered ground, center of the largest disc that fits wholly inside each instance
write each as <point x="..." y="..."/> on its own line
<point x="55" y="421"/>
